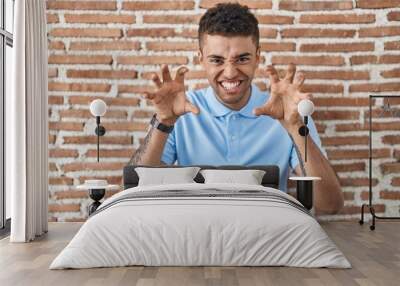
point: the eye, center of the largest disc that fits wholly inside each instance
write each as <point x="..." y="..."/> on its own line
<point x="243" y="60"/>
<point x="216" y="61"/>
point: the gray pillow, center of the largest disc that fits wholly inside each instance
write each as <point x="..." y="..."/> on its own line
<point x="248" y="177"/>
<point x="162" y="176"/>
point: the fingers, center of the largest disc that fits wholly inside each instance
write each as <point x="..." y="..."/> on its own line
<point x="166" y="76"/>
<point x="260" y="111"/>
<point x="290" y="73"/>
<point x="189" y="107"/>
<point x="299" y="79"/>
<point x="302" y="95"/>
<point x="180" y="74"/>
<point x="148" y="95"/>
<point x="156" y="80"/>
<point x="272" y="74"/>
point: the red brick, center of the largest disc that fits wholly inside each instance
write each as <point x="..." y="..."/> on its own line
<point x="357" y="182"/>
<point x="53" y="208"/>
<point x="375" y="126"/>
<point x="358" y="154"/>
<point x="123" y="88"/>
<point x="112" y="74"/>
<point x="99" y="18"/>
<point x="116" y="140"/>
<point x="172" y="46"/>
<point x="375" y="87"/>
<point x="316" y="33"/>
<point x="67" y="126"/>
<point x="389" y="195"/>
<point x="274" y="19"/>
<point x="360" y="60"/>
<point x="152" y="60"/>
<point x="171" y="19"/>
<point x="85" y="113"/>
<point x="394" y="15"/>
<point x="345" y="140"/>
<point x="337" y="18"/>
<point x="82" y="87"/>
<point x="252" y="4"/>
<point x="111" y="46"/>
<point x="86" y="32"/>
<point x="390" y="168"/>
<point x="79" y="59"/>
<point x="152" y="33"/>
<point x="81" y="5"/>
<point x="268" y="33"/>
<point x="349" y="167"/>
<point x="395" y="182"/>
<point x="52" y="18"/>
<point x="373" y="4"/>
<point x="56" y="45"/>
<point x="63" y="153"/>
<point x="336" y="48"/>
<point x="92" y="166"/>
<point x="389" y="59"/>
<point x="335" y="74"/>
<point x="391" y="73"/>
<point x="309" y="60"/>
<point x="126" y="126"/>
<point x="61" y="181"/>
<point x="114" y="101"/>
<point x="52" y="72"/>
<point x="348" y="196"/>
<point x="104" y="153"/>
<point x="390" y="139"/>
<point x="52" y="138"/>
<point x="379" y="32"/>
<point x="339" y="101"/>
<point x="322" y="88"/>
<point x="394" y="45"/>
<point x="158" y="5"/>
<point x="315" y="5"/>
<point x="142" y="114"/>
<point x="269" y="47"/>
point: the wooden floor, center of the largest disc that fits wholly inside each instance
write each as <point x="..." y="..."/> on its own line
<point x="375" y="256"/>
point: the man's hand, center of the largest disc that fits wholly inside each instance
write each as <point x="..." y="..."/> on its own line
<point x="284" y="98"/>
<point x="169" y="97"/>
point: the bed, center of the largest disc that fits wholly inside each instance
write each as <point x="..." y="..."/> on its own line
<point x="201" y="224"/>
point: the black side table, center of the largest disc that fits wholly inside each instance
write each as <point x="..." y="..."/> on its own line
<point x="97" y="190"/>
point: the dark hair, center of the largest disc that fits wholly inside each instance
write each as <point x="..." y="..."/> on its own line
<point x="229" y="19"/>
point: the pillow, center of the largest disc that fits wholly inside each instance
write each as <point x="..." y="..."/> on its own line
<point x="249" y="177"/>
<point x="163" y="176"/>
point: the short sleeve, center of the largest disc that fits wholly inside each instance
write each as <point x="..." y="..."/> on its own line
<point x="294" y="160"/>
<point x="169" y="154"/>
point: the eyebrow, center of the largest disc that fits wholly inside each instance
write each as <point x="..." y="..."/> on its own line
<point x="220" y="57"/>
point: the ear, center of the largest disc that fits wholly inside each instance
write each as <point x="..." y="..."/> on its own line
<point x="258" y="55"/>
<point x="200" y="56"/>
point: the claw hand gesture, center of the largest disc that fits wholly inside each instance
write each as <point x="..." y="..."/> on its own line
<point x="284" y="97"/>
<point x="169" y="97"/>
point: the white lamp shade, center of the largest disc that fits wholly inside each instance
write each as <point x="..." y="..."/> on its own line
<point x="98" y="107"/>
<point x="305" y="107"/>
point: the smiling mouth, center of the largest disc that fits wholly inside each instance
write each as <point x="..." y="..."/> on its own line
<point x="231" y="86"/>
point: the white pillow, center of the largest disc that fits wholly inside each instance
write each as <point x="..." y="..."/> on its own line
<point x="249" y="177"/>
<point x="163" y="176"/>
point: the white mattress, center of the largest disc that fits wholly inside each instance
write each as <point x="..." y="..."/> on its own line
<point x="191" y="231"/>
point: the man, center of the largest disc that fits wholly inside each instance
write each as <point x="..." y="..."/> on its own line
<point x="232" y="122"/>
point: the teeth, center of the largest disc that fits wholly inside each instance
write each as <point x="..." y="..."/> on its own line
<point x="230" y="85"/>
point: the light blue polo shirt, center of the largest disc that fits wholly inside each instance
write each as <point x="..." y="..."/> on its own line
<point x="222" y="136"/>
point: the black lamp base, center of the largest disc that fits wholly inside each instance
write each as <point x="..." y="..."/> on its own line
<point x="96" y="195"/>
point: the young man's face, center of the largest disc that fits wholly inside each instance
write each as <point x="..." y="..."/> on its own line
<point x="230" y="63"/>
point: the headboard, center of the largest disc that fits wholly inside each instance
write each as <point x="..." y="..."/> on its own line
<point x="270" y="179"/>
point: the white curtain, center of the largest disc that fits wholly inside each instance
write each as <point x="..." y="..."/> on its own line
<point x="27" y="124"/>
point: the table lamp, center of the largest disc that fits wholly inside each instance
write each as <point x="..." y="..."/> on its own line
<point x="304" y="184"/>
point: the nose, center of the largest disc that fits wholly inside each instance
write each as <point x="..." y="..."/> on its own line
<point x="230" y="71"/>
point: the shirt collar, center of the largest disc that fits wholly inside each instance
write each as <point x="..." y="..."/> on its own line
<point x="257" y="98"/>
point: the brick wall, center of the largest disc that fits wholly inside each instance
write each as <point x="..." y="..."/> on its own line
<point x="108" y="49"/>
